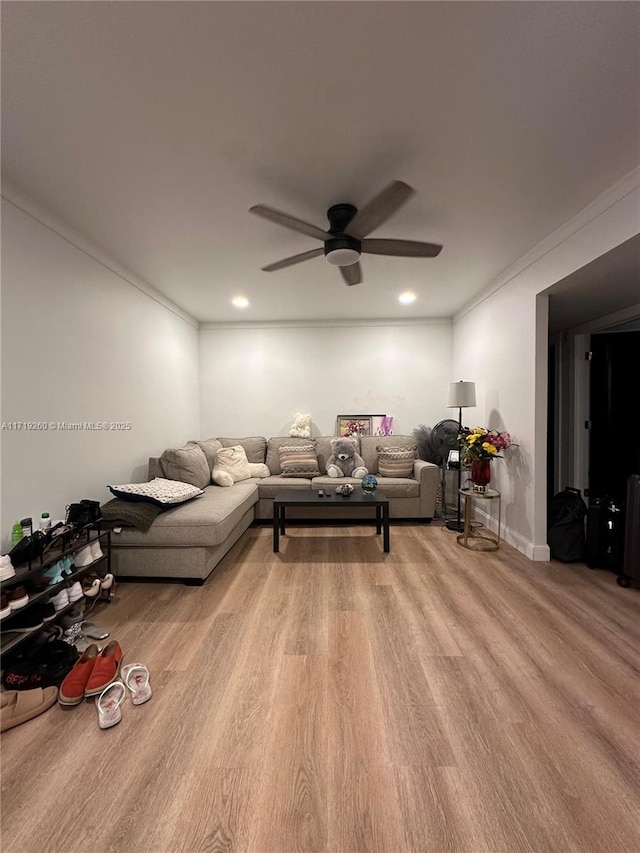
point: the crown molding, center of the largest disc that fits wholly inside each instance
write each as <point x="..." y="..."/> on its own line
<point x="44" y="217"/>
<point x="327" y="324"/>
<point x="616" y="193"/>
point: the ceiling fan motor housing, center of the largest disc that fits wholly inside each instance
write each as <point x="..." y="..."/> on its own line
<point x="341" y="250"/>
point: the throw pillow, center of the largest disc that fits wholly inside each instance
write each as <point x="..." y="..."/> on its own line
<point x="298" y="460"/>
<point x="273" y="451"/>
<point x="396" y="461"/>
<point x="187" y="465"/>
<point x="230" y="466"/>
<point x="164" y="493"/>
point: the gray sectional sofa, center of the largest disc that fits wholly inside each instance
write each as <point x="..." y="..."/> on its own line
<point x="188" y="541"/>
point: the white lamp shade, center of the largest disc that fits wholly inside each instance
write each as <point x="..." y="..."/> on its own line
<point x="462" y="395"/>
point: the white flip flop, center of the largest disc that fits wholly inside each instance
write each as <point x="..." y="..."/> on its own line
<point x="108" y="704"/>
<point x="136" y="678"/>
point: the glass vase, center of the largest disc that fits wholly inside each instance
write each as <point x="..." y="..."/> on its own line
<point x="480" y="475"/>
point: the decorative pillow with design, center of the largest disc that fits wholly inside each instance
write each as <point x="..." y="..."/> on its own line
<point x="230" y="466"/>
<point x="299" y="460"/>
<point x="187" y="465"/>
<point x="161" y="492"/>
<point x="396" y="461"/>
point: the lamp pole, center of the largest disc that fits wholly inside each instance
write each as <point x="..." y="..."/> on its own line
<point x="462" y="395"/>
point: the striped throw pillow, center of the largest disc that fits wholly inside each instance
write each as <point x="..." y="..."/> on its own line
<point x="396" y="461"/>
<point x="298" y="460"/>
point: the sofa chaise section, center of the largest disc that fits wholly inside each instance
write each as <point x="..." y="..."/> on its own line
<point x="188" y="541"/>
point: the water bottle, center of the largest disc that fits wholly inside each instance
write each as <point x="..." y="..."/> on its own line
<point x="16" y="533"/>
<point x="27" y="526"/>
<point x="45" y="521"/>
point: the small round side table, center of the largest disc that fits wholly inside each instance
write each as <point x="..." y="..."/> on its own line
<point x="478" y="537"/>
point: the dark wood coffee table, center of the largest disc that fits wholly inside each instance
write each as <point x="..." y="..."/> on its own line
<point x="295" y="497"/>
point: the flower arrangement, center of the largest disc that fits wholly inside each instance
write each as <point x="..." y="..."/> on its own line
<point x="483" y="445"/>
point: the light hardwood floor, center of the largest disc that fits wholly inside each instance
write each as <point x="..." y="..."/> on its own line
<point x="333" y="698"/>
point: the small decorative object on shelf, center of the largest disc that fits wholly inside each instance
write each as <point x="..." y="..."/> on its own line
<point x="369" y="484"/>
<point x="345" y="490"/>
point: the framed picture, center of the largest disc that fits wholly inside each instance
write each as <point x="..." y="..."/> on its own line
<point x="381" y="425"/>
<point x="353" y="425"/>
<point x="356" y="424"/>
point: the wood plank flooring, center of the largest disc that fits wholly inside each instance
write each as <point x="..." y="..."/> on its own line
<point x="334" y="698"/>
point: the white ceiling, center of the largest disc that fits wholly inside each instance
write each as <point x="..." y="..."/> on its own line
<point x="153" y="127"/>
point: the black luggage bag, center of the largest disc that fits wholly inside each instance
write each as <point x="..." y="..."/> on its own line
<point x="565" y="526"/>
<point x="631" y="563"/>
<point x="605" y="533"/>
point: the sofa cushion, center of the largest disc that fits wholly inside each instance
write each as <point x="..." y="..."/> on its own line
<point x="230" y="466"/>
<point x="396" y="461"/>
<point x="187" y="465"/>
<point x="159" y="491"/>
<point x="271" y="486"/>
<point x="273" y="446"/>
<point x="255" y="446"/>
<point x="369" y="447"/>
<point x="206" y="522"/>
<point x="209" y="447"/>
<point x="298" y="460"/>
<point x="391" y="487"/>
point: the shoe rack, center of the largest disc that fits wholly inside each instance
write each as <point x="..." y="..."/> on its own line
<point x="28" y="572"/>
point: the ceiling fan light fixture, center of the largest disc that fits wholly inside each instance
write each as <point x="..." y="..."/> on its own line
<point x="347" y="236"/>
<point x="343" y="257"/>
<point x="342" y="250"/>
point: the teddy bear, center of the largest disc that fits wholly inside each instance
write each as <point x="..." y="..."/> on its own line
<point x="301" y="427"/>
<point x="345" y="461"/>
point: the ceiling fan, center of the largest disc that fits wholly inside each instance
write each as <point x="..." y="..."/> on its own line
<point x="344" y="239"/>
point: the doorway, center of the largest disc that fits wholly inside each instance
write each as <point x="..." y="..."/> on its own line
<point x="614" y="436"/>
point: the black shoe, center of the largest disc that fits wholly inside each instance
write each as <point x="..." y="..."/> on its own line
<point x="44" y="665"/>
<point x="25" y="621"/>
<point x="45" y="610"/>
<point x="28" y="549"/>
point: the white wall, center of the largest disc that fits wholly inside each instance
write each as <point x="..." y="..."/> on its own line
<point x="81" y="343"/>
<point x="254" y="379"/>
<point x="501" y="343"/>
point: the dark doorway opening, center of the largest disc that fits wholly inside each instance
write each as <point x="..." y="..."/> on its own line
<point x="614" y="436"/>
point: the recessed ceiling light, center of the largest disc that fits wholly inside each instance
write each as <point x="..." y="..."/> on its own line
<point x="240" y="301"/>
<point x="407" y="297"/>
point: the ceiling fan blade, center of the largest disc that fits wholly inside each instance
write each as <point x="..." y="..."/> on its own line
<point x="402" y="248"/>
<point x="379" y="209"/>
<point x="289" y="221"/>
<point x="352" y="274"/>
<point x="294" y="259"/>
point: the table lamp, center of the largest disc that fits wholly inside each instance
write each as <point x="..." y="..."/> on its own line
<point x="462" y="395"/>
